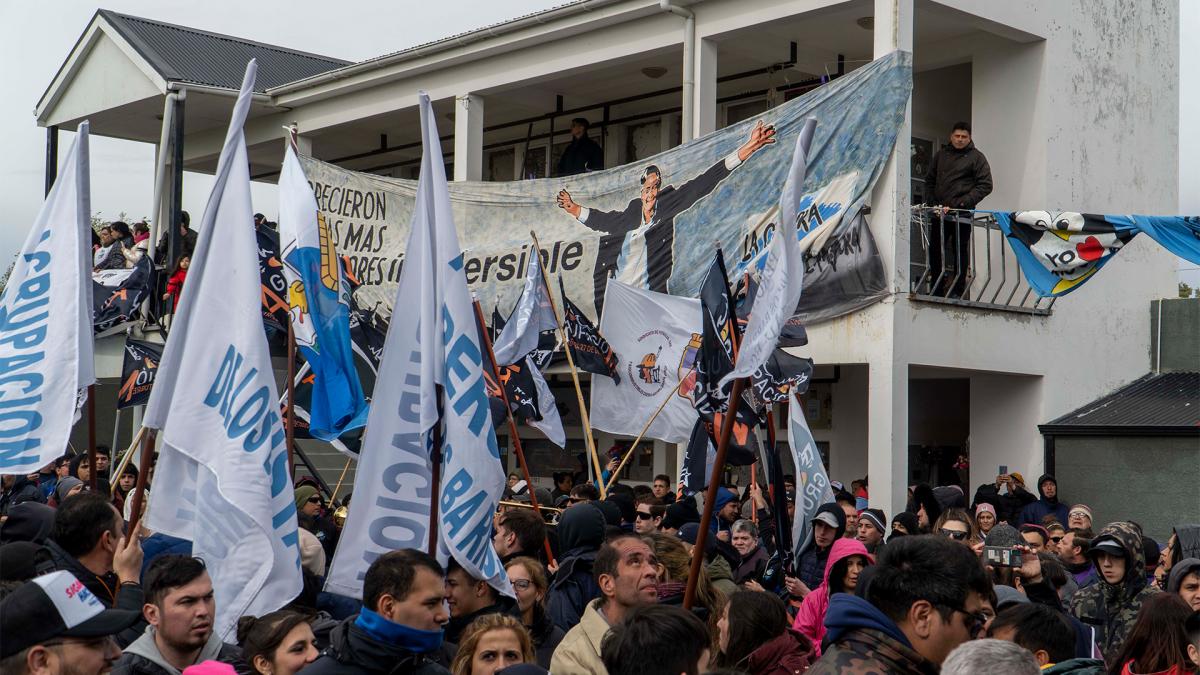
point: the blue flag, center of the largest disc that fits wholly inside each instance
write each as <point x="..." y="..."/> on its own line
<point x="1059" y="251"/>
<point x="319" y="300"/>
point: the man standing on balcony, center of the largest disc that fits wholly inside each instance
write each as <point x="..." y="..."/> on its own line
<point x="959" y="178"/>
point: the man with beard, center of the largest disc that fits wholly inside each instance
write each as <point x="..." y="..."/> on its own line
<point x="180" y="610"/>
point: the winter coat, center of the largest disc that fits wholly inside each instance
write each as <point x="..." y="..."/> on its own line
<point x="752" y="566"/>
<point x="958" y="178"/>
<point x="1127" y="669"/>
<point x="23" y="490"/>
<point x="1034" y="512"/>
<point x="175" y="286"/>
<point x="1084" y="574"/>
<point x="788" y="654"/>
<point x="1008" y="506"/>
<point x="1112" y="608"/>
<point x="861" y="640"/>
<point x="811" y="565"/>
<point x="1076" y="667"/>
<point x="810" y="620"/>
<point x="107" y="588"/>
<point x="720" y="575"/>
<point x="353" y="652"/>
<point x="143" y="658"/>
<point x="573" y="587"/>
<point x="458" y="624"/>
<point x="1188" y="537"/>
<point x="546" y="636"/>
<point x="579" y="651"/>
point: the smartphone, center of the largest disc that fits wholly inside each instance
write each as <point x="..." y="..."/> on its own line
<point x="1002" y="556"/>
<point x="1003" y="469"/>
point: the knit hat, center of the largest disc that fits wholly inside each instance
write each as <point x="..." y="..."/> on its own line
<point x="909" y="520"/>
<point x="1003" y="535"/>
<point x="312" y="554"/>
<point x="875" y="517"/>
<point x="303" y="494"/>
<point x="1081" y="508"/>
<point x="984" y="507"/>
<point x="65" y="485"/>
<point x="56" y="605"/>
<point x="210" y="668"/>
<point x="1018" y="476"/>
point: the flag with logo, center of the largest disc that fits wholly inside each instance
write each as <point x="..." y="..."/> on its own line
<point x="653" y="335"/>
<point x="319" y="302"/>
<point x="812" y="483"/>
<point x="118" y="294"/>
<point x="274" y="285"/>
<point x="138" y="369"/>
<point x="1060" y="250"/>
<point x="783" y="276"/>
<point x="46" y="323"/>
<point x="779" y="378"/>
<point x="549" y="422"/>
<point x="516" y="384"/>
<point x="532" y="315"/>
<point x="222" y="449"/>
<point x="590" y="351"/>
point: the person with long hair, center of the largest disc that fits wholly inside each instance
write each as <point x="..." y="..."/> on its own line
<point x="753" y="636"/>
<point x="490" y="644"/>
<point x="279" y="643"/>
<point x="957" y="524"/>
<point x="175" y="281"/>
<point x="674" y="564"/>
<point x="1158" y="643"/>
<point x="528" y="579"/>
<point x="847" y="560"/>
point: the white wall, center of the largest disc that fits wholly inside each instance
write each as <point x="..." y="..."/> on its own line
<point x="1005" y="410"/>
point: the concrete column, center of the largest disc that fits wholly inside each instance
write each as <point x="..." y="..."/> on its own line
<point x="887" y="388"/>
<point x="304" y="145"/>
<point x="704" y="115"/>
<point x="468" y="137"/>
<point x="614" y="146"/>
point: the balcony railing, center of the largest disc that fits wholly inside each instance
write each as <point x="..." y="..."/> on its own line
<point x="960" y="258"/>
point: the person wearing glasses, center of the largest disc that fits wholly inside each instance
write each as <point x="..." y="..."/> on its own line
<point x="310" y="504"/>
<point x="528" y="579"/>
<point x="54" y="625"/>
<point x="925" y="598"/>
<point x="649" y="516"/>
<point x="957" y="524"/>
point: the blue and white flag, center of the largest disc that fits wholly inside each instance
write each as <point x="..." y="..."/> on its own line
<point x="46" y="361"/>
<point x="222" y="478"/>
<point x="1058" y="251"/>
<point x="812" y="483"/>
<point x="319" y="299"/>
<point x="532" y="315"/>
<point x="551" y="422"/>
<point x="434" y="353"/>
<point x="783" y="277"/>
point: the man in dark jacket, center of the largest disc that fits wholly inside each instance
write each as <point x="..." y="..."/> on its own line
<point x="828" y="526"/>
<point x="1111" y="605"/>
<point x="580" y="534"/>
<point x="582" y="153"/>
<point x="399" y="629"/>
<point x="18" y="490"/>
<point x="1047" y="505"/>
<point x="86" y="541"/>
<point x="959" y="178"/>
<point x="925" y="598"/>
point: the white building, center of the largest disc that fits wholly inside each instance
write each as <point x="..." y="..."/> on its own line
<point x="1074" y="104"/>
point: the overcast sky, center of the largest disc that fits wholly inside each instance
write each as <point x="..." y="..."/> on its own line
<point x="35" y="38"/>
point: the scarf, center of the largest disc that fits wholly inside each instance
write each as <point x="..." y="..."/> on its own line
<point x="398" y="635"/>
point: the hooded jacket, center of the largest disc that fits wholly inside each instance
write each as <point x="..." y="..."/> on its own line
<point x="143" y="658"/>
<point x="958" y="178"/>
<point x="1187" y="539"/>
<point x="1180" y="570"/>
<point x="861" y="640"/>
<point x="810" y="620"/>
<point x="923" y="495"/>
<point x="352" y="651"/>
<point x="787" y="654"/>
<point x="1112" y="608"/>
<point x="22" y="490"/>
<point x="811" y="565"/>
<point x="580" y="533"/>
<point x="1034" y="512"/>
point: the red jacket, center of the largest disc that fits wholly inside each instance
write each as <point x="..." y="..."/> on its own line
<point x="175" y="286"/>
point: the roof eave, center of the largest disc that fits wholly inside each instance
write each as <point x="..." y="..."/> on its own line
<point x="1115" y="430"/>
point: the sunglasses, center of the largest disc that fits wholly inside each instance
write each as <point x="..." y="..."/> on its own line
<point x="953" y="534"/>
<point x="1056" y="539"/>
<point x="977" y="619"/>
<point x="314" y="500"/>
<point x="642" y="515"/>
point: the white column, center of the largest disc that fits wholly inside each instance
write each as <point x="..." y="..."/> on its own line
<point x="468" y="137"/>
<point x="704" y="110"/>
<point x="887" y="388"/>
<point x="614" y="145"/>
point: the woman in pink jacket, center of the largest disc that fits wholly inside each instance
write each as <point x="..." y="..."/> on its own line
<point x="847" y="559"/>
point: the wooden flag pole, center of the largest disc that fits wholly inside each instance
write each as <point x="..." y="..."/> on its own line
<point x="435" y="481"/>
<point x="667" y="399"/>
<point x="512" y="424"/>
<point x="337" y="488"/>
<point x="583" y="414"/>
<point x="139" y="489"/>
<point x="91" y="427"/>
<point x="125" y="460"/>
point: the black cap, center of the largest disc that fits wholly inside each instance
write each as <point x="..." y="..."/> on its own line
<point x="56" y="605"/>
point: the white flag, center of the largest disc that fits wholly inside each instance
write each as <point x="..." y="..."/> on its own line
<point x="652" y="335"/>
<point x="46" y="341"/>
<point x="532" y="315"/>
<point x="812" y="484"/>
<point x="222" y="478"/>
<point x="551" y="422"/>
<point x="783" y="277"/>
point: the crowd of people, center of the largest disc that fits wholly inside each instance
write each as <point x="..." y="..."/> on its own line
<point x="1011" y="581"/>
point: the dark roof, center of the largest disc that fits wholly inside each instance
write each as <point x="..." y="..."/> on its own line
<point x="1154" y="403"/>
<point x="193" y="56"/>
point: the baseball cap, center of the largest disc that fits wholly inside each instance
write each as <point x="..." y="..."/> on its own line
<point x="1107" y="545"/>
<point x="56" y="605"/>
<point x="827" y="518"/>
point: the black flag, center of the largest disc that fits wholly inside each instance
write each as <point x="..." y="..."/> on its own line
<point x="114" y="305"/>
<point x="275" y="307"/>
<point x="517" y="380"/>
<point x="137" y="372"/>
<point x="590" y="351"/>
<point x="779" y="377"/>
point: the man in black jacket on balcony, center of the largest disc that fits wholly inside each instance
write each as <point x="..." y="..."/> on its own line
<point x="959" y="178"/>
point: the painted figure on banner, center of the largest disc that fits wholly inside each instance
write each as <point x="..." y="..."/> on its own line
<point x="638" y="242"/>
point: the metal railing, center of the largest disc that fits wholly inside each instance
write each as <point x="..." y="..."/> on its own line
<point x="960" y="258"/>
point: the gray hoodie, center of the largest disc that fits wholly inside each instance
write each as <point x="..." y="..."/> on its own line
<point x="1180" y="570"/>
<point x="143" y="658"/>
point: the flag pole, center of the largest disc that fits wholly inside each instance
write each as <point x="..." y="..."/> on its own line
<point x="667" y="399"/>
<point x="583" y="414"/>
<point x="337" y="488"/>
<point x="125" y="460"/>
<point x="139" y="489"/>
<point x="91" y="411"/>
<point x="289" y="423"/>
<point x="512" y="423"/>
<point x="435" y="483"/>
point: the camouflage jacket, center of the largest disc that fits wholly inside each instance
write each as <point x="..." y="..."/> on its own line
<point x="1112" y="608"/>
<point x="867" y="651"/>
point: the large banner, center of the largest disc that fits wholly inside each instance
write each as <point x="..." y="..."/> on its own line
<point x="654" y="224"/>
